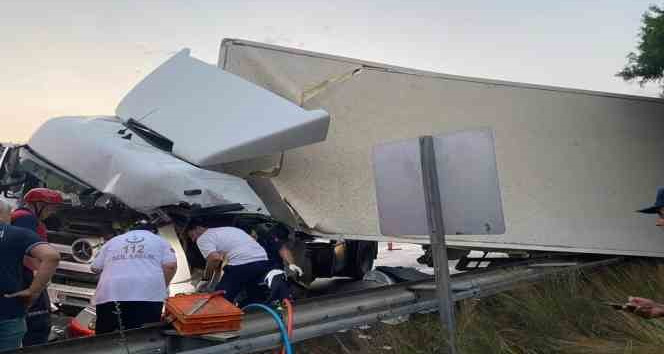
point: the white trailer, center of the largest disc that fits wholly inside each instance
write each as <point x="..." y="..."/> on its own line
<point x="573" y="164"/>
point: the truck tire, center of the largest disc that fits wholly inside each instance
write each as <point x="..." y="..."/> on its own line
<point x="360" y="256"/>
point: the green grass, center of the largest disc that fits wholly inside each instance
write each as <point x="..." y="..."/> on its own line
<point x="564" y="314"/>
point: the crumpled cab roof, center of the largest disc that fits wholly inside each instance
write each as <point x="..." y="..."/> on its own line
<point x="212" y="116"/>
<point x="113" y="160"/>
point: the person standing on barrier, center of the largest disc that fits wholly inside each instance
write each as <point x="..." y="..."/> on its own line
<point x="136" y="269"/>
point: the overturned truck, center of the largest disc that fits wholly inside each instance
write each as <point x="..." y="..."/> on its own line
<point x="116" y="170"/>
<point x="250" y="142"/>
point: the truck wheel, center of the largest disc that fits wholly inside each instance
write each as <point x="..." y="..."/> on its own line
<point x="360" y="256"/>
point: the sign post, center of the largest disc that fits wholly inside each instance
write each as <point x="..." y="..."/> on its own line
<point x="434" y="212"/>
<point x="438" y="185"/>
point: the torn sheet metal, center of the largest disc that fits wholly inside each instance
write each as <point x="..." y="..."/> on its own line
<point x="212" y="116"/>
<point x="101" y="153"/>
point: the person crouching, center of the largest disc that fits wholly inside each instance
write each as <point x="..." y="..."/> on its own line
<point x="247" y="263"/>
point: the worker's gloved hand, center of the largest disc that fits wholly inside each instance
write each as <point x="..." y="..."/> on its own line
<point x="202" y="286"/>
<point x="295" y="270"/>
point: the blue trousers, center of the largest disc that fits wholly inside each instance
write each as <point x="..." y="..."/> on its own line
<point x="11" y="333"/>
<point x="38" y="321"/>
<point x="133" y="314"/>
<point x="244" y="277"/>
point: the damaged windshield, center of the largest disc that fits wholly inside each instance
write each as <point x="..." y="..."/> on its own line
<point x="40" y="173"/>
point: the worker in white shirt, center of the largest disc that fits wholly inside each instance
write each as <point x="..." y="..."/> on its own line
<point x="247" y="263"/>
<point x="136" y="269"/>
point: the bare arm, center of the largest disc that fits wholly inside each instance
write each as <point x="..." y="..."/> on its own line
<point x="214" y="259"/>
<point x="169" y="271"/>
<point x="286" y="255"/>
<point x="288" y="258"/>
<point x="646" y="308"/>
<point x="98" y="262"/>
<point x="31" y="263"/>
<point x="49" y="259"/>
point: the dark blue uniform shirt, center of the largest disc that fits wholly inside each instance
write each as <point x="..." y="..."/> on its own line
<point x="272" y="246"/>
<point x="15" y="243"/>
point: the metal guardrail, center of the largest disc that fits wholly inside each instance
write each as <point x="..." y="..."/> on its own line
<point x="487" y="284"/>
<point x="320" y="316"/>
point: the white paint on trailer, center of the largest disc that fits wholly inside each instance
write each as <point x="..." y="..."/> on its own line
<point x="573" y="165"/>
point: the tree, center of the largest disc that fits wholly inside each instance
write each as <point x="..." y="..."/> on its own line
<point x="647" y="64"/>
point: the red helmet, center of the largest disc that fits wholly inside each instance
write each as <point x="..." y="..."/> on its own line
<point x="43" y="195"/>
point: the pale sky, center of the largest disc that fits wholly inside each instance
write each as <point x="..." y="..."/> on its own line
<point x="80" y="57"/>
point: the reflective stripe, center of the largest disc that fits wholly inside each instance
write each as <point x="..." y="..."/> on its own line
<point x="38" y="313"/>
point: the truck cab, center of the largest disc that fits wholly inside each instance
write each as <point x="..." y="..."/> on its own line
<point x="161" y="158"/>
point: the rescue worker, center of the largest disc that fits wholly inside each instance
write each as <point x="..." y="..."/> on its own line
<point x="273" y="238"/>
<point x="247" y="262"/>
<point x="38" y="205"/>
<point x="136" y="269"/>
<point x="643" y="307"/>
<point x="15" y="244"/>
